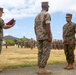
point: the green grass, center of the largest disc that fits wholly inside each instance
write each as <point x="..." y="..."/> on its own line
<point x="14" y="57"/>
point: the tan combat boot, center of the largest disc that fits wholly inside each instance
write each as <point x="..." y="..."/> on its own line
<point x="66" y="66"/>
<point x="70" y="67"/>
<point x="1" y="70"/>
<point x="43" y="71"/>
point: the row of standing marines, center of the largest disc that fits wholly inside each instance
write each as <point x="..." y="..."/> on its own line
<point x="55" y="44"/>
<point x="43" y="33"/>
<point x="31" y="43"/>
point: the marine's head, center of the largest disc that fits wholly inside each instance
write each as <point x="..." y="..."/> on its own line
<point x="1" y="11"/>
<point x="45" y="6"/>
<point x="68" y="17"/>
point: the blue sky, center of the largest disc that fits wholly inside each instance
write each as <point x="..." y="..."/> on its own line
<point x="24" y="12"/>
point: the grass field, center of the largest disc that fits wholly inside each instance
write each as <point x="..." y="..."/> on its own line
<point x="14" y="57"/>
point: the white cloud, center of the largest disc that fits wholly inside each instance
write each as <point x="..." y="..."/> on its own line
<point x="28" y="8"/>
<point x="63" y="5"/>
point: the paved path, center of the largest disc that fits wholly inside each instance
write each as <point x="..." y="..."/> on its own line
<point x="56" y="70"/>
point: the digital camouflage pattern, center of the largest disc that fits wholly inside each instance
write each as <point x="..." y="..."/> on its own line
<point x="32" y="42"/>
<point x="1" y="29"/>
<point x="43" y="52"/>
<point x="57" y="44"/>
<point x="1" y="33"/>
<point x="44" y="46"/>
<point x="68" y="41"/>
<point x="0" y="46"/>
<point x="69" y="52"/>
<point x="40" y="24"/>
<point x="69" y="33"/>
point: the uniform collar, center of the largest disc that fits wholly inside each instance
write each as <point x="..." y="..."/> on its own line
<point x="43" y="11"/>
<point x="69" y="23"/>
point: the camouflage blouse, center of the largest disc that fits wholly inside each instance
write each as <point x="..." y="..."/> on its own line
<point x="69" y="33"/>
<point x="40" y="24"/>
<point x="1" y="28"/>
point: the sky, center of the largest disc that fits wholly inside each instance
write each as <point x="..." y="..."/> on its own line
<point x="25" y="11"/>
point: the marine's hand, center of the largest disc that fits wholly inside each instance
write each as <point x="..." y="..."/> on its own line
<point x="74" y="42"/>
<point x="50" y="39"/>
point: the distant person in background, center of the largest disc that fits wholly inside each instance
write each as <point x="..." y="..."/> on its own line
<point x="44" y="38"/>
<point x="6" y="44"/>
<point x="69" y="30"/>
<point x="3" y="26"/>
<point x="31" y="43"/>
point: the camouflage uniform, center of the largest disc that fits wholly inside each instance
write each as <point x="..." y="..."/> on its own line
<point x="24" y="44"/>
<point x="61" y="44"/>
<point x="69" y="38"/>
<point x="31" y="43"/>
<point x="43" y="45"/>
<point x="6" y="45"/>
<point x="1" y="32"/>
<point x="43" y="52"/>
<point x="55" y="44"/>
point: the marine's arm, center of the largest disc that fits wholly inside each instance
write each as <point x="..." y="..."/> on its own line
<point x="35" y="26"/>
<point x="35" y="29"/>
<point x="63" y="32"/>
<point x="8" y="26"/>
<point x="49" y="32"/>
<point x="75" y="28"/>
<point x="48" y="27"/>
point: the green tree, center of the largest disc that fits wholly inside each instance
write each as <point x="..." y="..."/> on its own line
<point x="16" y="41"/>
<point x="23" y="39"/>
<point x="10" y="42"/>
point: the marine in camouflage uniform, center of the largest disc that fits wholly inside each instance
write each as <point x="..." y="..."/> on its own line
<point x="61" y="44"/>
<point x="19" y="43"/>
<point x="2" y="26"/>
<point x="6" y="45"/>
<point x="25" y="42"/>
<point x="52" y="45"/>
<point x="55" y="44"/>
<point x="22" y="44"/>
<point x="31" y="43"/>
<point x="44" y="37"/>
<point x="69" y="30"/>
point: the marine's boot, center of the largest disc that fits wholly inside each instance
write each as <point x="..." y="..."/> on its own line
<point x="43" y="71"/>
<point x="1" y="70"/>
<point x="66" y="66"/>
<point x="70" y="67"/>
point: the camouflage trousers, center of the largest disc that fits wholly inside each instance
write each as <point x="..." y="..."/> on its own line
<point x="0" y="46"/>
<point x="69" y="52"/>
<point x="43" y="53"/>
